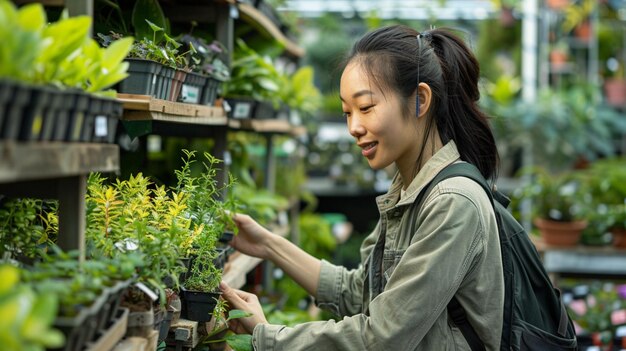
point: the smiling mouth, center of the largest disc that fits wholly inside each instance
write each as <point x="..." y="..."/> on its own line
<point x="369" y="146"/>
<point x="368" y="150"/>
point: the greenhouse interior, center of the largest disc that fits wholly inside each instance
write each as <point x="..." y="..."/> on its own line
<point x="271" y="175"/>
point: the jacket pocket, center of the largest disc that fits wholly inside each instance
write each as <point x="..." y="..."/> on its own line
<point x="391" y="258"/>
<point x="532" y="338"/>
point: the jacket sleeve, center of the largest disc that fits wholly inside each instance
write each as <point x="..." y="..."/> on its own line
<point x="415" y="295"/>
<point x="340" y="291"/>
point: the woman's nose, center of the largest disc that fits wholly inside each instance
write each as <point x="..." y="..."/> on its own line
<point x="355" y="127"/>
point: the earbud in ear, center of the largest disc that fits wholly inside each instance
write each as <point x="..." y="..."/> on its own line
<point x="417" y="106"/>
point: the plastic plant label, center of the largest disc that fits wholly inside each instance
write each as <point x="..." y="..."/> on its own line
<point x="101" y="126"/>
<point x="190" y="94"/>
<point x="147" y="290"/>
<point x="242" y="110"/>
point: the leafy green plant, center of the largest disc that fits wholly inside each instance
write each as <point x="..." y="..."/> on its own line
<point x="207" y="210"/>
<point x="205" y="58"/>
<point x="133" y="216"/>
<point x="253" y="76"/>
<point x="557" y="197"/>
<point x="568" y="125"/>
<point x="219" y="332"/>
<point x="58" y="53"/>
<point x="299" y="92"/>
<point x="26" y="315"/>
<point x="25" y="228"/>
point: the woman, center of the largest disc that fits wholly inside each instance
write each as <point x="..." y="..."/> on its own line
<point x="409" y="99"/>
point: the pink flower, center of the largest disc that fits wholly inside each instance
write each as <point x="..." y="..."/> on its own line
<point x="579" y="307"/>
<point x="618" y="317"/>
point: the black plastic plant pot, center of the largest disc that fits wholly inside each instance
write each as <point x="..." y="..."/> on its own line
<point x="283" y="112"/>
<point x="15" y="109"/>
<point x="193" y="88"/>
<point x="264" y="110"/>
<point x="197" y="305"/>
<point x="51" y="114"/>
<point x="177" y="84"/>
<point x="81" y="328"/>
<point x="226" y="236"/>
<point x="165" y="82"/>
<point x="77" y="115"/>
<point x="142" y="77"/>
<point x="241" y="107"/>
<point x="60" y="128"/>
<point x="33" y="117"/>
<point x="209" y="93"/>
<point x="113" y="299"/>
<point x="89" y="124"/>
<point x="165" y="325"/>
<point x="6" y="94"/>
<point x="107" y="114"/>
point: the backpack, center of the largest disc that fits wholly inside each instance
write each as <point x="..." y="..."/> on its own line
<point x="535" y="318"/>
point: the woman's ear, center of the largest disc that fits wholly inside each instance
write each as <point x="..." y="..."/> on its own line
<point x="424" y="96"/>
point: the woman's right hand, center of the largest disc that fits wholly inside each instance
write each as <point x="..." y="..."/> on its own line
<point x="252" y="239"/>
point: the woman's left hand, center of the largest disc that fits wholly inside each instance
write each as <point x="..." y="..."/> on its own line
<point x="247" y="302"/>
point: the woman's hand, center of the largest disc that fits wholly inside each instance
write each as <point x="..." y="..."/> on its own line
<point x="247" y="302"/>
<point x="252" y="238"/>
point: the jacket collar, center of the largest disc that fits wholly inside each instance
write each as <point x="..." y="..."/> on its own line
<point x="447" y="155"/>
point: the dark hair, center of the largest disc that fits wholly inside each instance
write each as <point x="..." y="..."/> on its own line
<point x="390" y="56"/>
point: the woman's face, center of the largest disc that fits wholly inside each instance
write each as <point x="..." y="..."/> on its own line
<point x="376" y="121"/>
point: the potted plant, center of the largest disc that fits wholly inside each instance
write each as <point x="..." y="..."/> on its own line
<point x="605" y="182"/>
<point x="39" y="59"/>
<point x="597" y="311"/>
<point x="253" y="88"/>
<point x="558" y="204"/>
<point x="206" y="210"/>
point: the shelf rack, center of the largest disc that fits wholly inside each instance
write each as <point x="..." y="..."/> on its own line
<point x="56" y="170"/>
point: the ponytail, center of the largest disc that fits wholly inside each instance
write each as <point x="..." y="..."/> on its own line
<point x="457" y="114"/>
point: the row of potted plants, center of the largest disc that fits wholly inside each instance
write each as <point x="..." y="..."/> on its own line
<point x="580" y="205"/>
<point x="54" y="78"/>
<point x="158" y="252"/>
<point x="258" y="89"/>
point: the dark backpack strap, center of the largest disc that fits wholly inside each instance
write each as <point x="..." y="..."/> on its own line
<point x="458" y="316"/>
<point x="455" y="310"/>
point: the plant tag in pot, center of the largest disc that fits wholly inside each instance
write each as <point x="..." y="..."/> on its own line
<point x="190" y="94"/>
<point x="101" y="126"/>
<point x="153" y="296"/>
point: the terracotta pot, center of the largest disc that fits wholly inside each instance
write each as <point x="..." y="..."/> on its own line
<point x="557" y="4"/>
<point x="619" y="237"/>
<point x="560" y="233"/>
<point x="615" y="91"/>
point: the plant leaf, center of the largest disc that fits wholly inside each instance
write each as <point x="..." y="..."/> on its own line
<point x="234" y="314"/>
<point x="240" y="342"/>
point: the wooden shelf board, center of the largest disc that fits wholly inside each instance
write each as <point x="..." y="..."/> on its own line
<point x="20" y="161"/>
<point x="239" y="265"/>
<point x="261" y="125"/>
<point x="59" y="3"/>
<point x="143" y="107"/>
<point x="254" y="16"/>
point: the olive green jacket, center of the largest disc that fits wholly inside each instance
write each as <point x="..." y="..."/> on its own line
<point x="397" y="300"/>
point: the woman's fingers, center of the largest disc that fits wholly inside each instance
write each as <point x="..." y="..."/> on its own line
<point x="244" y="301"/>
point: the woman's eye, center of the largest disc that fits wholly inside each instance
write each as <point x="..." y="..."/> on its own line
<point x="346" y="114"/>
<point x="366" y="108"/>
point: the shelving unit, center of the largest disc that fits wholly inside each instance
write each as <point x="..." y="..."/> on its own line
<point x="59" y="171"/>
<point x="582" y="260"/>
